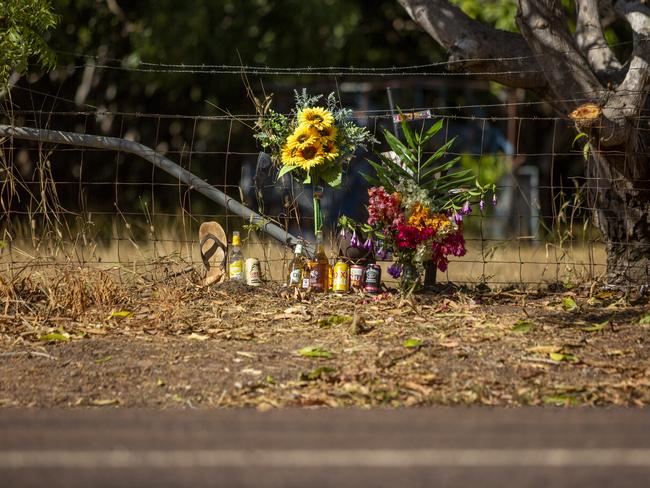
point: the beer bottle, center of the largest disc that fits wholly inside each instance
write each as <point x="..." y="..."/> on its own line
<point x="236" y="261"/>
<point x="318" y="272"/>
<point x="297" y="268"/>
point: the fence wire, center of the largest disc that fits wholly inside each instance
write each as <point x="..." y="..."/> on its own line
<point x="71" y="206"/>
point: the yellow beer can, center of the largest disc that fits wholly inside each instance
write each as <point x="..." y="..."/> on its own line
<point x="341" y="277"/>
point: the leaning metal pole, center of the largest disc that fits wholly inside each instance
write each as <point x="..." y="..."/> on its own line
<point x="159" y="161"/>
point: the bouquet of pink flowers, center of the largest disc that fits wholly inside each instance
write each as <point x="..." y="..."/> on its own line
<point x="414" y="232"/>
<point x="416" y="207"/>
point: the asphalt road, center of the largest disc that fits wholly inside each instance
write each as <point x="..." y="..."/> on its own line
<point x="325" y="448"/>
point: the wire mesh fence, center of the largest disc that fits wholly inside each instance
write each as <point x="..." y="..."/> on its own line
<point x="64" y="205"/>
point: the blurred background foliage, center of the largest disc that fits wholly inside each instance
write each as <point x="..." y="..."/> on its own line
<point x="110" y="57"/>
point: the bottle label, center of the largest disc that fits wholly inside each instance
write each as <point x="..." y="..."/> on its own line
<point x="305" y="283"/>
<point x="316" y="279"/>
<point x="236" y="270"/>
<point x="295" y="277"/>
<point x="253" y="275"/>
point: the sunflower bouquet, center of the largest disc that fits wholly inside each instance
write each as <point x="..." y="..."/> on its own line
<point x="313" y="143"/>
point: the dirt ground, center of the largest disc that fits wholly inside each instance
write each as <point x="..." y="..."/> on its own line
<point x="84" y="340"/>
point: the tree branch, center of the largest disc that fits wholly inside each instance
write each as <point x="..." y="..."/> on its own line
<point x="543" y="24"/>
<point x="625" y="103"/>
<point x="477" y="47"/>
<point x="590" y="39"/>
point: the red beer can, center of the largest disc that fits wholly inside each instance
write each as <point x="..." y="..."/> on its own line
<point x="356" y="276"/>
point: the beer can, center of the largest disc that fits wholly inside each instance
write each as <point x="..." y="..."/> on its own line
<point x="341" y="281"/>
<point x="372" y="279"/>
<point x="253" y="273"/>
<point x="356" y="276"/>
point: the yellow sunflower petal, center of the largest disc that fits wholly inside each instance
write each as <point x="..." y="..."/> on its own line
<point x="329" y="133"/>
<point x="309" y="156"/>
<point x="329" y="150"/>
<point x="317" y="117"/>
<point x="303" y="136"/>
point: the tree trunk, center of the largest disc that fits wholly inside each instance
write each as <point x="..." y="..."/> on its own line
<point x="619" y="193"/>
<point x="577" y="73"/>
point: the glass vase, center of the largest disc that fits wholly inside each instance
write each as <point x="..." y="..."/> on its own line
<point x="410" y="278"/>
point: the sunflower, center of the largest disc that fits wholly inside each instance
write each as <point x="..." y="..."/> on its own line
<point x="329" y="150"/>
<point x="303" y="136"/>
<point x="317" y="117"/>
<point x="309" y="156"/>
<point x="329" y="133"/>
<point x="288" y="155"/>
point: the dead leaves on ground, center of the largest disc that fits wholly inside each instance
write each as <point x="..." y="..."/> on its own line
<point x="276" y="349"/>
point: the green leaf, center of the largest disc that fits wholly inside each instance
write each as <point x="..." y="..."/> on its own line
<point x="371" y="179"/>
<point x="288" y="168"/>
<point x="559" y="356"/>
<point x="569" y="304"/>
<point x="316" y="374"/>
<point x="332" y="176"/>
<point x="645" y="320"/>
<point x="105" y="359"/>
<point x="442" y="170"/>
<point x="314" y="352"/>
<point x="580" y="135"/>
<point x="406" y="130"/>
<point x="334" y="320"/>
<point x="522" y="326"/>
<point x="560" y="400"/>
<point x="432" y="131"/>
<point x="381" y="176"/>
<point x="440" y="152"/>
<point x="412" y="342"/>
<point x="55" y="337"/>
<point x="597" y="327"/>
<point x="120" y="314"/>
<point x="394" y="169"/>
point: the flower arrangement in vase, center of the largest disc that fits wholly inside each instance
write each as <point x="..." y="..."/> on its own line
<point x="416" y="205"/>
<point x="313" y="143"/>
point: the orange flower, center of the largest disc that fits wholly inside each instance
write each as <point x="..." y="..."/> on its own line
<point x="421" y="217"/>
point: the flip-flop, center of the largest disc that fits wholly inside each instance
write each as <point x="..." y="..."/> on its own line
<point x="213" y="247"/>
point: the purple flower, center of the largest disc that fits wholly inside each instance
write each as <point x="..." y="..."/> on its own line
<point x="381" y="254"/>
<point x="481" y="204"/>
<point x="494" y="200"/>
<point x="458" y="218"/>
<point x="368" y="244"/>
<point x="354" y="241"/>
<point x="344" y="234"/>
<point x="395" y="270"/>
<point x="467" y="209"/>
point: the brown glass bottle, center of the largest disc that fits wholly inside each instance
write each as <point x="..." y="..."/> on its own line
<point x="318" y="271"/>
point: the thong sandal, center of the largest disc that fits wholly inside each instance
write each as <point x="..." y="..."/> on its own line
<point x="214" y="250"/>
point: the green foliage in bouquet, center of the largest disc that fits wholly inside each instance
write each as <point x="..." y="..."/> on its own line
<point x="425" y="177"/>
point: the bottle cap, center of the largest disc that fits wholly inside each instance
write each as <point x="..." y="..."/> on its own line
<point x="235" y="238"/>
<point x="298" y="249"/>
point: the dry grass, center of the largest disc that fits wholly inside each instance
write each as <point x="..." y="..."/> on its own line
<point x="503" y="264"/>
